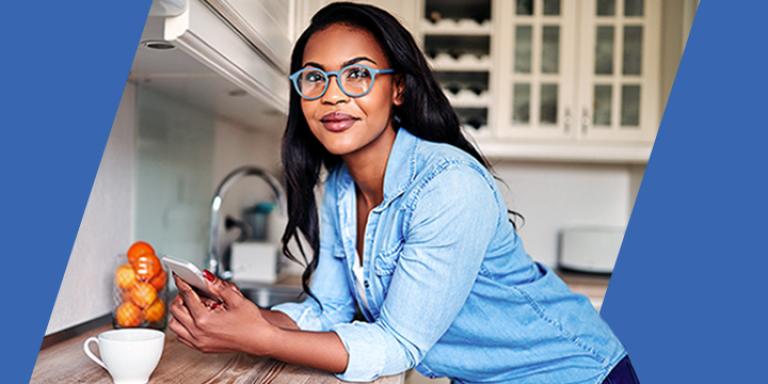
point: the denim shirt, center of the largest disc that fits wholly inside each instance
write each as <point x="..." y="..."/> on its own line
<point x="451" y="291"/>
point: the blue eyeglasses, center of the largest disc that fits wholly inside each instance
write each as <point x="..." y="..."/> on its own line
<point x="354" y="80"/>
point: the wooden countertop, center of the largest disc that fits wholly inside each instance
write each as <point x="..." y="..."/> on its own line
<point x="65" y="362"/>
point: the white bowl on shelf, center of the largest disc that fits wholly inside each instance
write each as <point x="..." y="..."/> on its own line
<point x="467" y="24"/>
<point x="443" y="59"/>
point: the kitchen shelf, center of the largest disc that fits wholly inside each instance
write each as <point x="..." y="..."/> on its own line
<point x="465" y="27"/>
<point x="466" y="63"/>
<point x="468" y="99"/>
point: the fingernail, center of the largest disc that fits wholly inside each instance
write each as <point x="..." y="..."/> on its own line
<point x="208" y="275"/>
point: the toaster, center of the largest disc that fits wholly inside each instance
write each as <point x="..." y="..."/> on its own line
<point x="592" y="249"/>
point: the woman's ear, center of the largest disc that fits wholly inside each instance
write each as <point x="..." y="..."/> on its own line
<point x="398" y="91"/>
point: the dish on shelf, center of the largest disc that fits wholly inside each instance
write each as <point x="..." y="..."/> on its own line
<point x="467" y="98"/>
<point x="457" y="27"/>
<point x="465" y="60"/>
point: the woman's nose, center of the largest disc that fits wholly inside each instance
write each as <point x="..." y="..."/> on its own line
<point x="333" y="94"/>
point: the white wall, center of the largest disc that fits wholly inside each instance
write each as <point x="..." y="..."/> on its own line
<point x="106" y="226"/>
<point x="235" y="146"/>
<point x="553" y="196"/>
<point x="109" y="221"/>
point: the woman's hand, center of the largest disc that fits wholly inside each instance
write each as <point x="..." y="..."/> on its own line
<point x="233" y="325"/>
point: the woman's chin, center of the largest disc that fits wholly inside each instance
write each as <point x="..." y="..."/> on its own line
<point x="341" y="147"/>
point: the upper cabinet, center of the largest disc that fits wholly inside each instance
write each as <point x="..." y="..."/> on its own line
<point x="580" y="70"/>
<point x="550" y="79"/>
<point x="267" y="24"/>
<point x="619" y="74"/>
<point x="227" y="56"/>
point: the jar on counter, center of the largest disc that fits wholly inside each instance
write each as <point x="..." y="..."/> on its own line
<point x="140" y="292"/>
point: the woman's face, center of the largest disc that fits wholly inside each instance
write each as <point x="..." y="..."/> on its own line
<point x="330" y="50"/>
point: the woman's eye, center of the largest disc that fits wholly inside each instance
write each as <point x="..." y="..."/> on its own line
<point x="358" y="73"/>
<point x="314" y="77"/>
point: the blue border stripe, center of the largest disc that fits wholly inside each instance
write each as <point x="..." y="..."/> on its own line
<point x="64" y="66"/>
<point x="688" y="296"/>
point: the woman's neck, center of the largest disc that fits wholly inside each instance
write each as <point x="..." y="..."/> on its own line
<point x="368" y="165"/>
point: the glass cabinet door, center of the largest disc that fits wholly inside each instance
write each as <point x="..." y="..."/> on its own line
<point x="619" y="75"/>
<point x="537" y="67"/>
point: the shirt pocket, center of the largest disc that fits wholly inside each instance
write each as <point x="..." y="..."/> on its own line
<point x="338" y="252"/>
<point x="386" y="261"/>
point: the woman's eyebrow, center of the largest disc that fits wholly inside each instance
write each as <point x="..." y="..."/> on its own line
<point x="356" y="60"/>
<point x="348" y="62"/>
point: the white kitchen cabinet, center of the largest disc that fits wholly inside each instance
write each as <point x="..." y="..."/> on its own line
<point x="218" y="43"/>
<point x="619" y="77"/>
<point x="226" y="56"/>
<point x="265" y="23"/>
<point x="566" y="79"/>
<point x="535" y="80"/>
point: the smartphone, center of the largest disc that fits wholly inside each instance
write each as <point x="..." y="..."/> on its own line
<point x="190" y="274"/>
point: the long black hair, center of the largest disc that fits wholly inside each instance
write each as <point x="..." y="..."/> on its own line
<point x="425" y="112"/>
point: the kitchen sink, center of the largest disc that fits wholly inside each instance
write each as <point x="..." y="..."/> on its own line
<point x="267" y="295"/>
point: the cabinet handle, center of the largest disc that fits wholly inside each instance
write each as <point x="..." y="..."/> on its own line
<point x="584" y="119"/>
<point x="567" y="119"/>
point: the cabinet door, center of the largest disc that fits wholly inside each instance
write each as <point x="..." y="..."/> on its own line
<point x="619" y="73"/>
<point x="536" y="51"/>
<point x="264" y="23"/>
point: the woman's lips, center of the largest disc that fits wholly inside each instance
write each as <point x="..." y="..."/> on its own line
<point x="338" y="121"/>
<point x="338" y="125"/>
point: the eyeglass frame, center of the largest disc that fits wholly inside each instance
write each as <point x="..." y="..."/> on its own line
<point x="373" y="71"/>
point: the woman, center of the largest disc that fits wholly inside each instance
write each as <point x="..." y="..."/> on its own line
<point x="413" y="233"/>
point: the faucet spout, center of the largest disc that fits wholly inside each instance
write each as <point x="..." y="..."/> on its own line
<point x="214" y="256"/>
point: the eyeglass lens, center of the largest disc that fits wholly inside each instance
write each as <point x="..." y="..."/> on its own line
<point x="355" y="81"/>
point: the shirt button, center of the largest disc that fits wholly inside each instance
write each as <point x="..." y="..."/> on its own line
<point x="366" y="283"/>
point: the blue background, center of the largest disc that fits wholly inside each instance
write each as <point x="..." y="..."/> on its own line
<point x="688" y="297"/>
<point x="64" y="65"/>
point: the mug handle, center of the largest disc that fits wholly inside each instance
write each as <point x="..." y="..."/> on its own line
<point x="87" y="349"/>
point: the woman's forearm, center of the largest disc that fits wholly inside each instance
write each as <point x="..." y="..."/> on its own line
<point x="320" y="350"/>
<point x="279" y="319"/>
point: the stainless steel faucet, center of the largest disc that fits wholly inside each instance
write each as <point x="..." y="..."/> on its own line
<point x="214" y="256"/>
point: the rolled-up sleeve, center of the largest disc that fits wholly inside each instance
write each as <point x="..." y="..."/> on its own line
<point x="329" y="282"/>
<point x="451" y="224"/>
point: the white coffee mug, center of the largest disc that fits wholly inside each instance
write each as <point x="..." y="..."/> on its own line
<point x="129" y="355"/>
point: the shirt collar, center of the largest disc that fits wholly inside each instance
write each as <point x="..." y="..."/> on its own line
<point x="400" y="167"/>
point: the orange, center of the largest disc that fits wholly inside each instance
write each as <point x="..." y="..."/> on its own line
<point x="143" y="294"/>
<point x="129" y="315"/>
<point x="139" y="248"/>
<point x="155" y="312"/>
<point x="146" y="267"/>
<point x="159" y="280"/>
<point x="124" y="276"/>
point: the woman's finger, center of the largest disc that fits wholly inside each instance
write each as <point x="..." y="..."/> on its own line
<point x="233" y="287"/>
<point x="179" y="329"/>
<point x="191" y="299"/>
<point x="182" y="315"/>
<point x="231" y="297"/>
<point x="210" y="303"/>
<point x="186" y="342"/>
